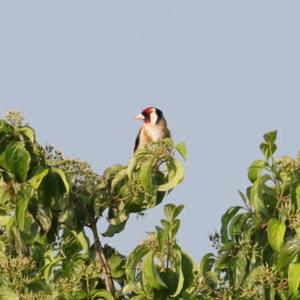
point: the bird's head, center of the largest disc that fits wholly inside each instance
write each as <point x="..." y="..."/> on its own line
<point x="150" y="115"/>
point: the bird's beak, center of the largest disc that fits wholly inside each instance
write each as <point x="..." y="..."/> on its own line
<point x="140" y="117"/>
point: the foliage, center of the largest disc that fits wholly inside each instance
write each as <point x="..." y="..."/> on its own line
<point x="258" y="245"/>
<point x="48" y="201"/>
<point x="159" y="269"/>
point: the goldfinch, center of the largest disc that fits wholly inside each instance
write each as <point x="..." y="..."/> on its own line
<point x="154" y="128"/>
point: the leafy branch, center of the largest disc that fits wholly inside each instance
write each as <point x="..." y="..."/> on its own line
<point x="48" y="201"/>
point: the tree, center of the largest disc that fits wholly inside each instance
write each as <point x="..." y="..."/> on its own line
<point x="48" y="201"/>
<point x="259" y="243"/>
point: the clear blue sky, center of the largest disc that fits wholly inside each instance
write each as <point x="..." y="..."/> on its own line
<point x="224" y="72"/>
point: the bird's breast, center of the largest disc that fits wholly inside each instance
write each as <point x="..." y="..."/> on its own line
<point x="154" y="133"/>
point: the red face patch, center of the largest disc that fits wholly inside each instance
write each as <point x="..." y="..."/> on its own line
<point x="146" y="113"/>
<point x="147" y="110"/>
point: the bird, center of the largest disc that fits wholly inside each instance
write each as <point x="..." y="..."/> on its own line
<point x="154" y="127"/>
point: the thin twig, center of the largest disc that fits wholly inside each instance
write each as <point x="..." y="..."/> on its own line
<point x="100" y="254"/>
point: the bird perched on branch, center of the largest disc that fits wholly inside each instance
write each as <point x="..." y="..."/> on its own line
<point x="154" y="128"/>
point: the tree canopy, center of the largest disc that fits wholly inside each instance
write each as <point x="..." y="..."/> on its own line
<point x="48" y="201"/>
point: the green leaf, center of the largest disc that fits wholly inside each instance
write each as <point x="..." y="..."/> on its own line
<point x="181" y="148"/>
<point x="28" y="132"/>
<point x="298" y="196"/>
<point x="145" y="176"/>
<point x="23" y="199"/>
<point x="43" y="240"/>
<point x="236" y="224"/>
<point x="38" y="177"/>
<point x="131" y="166"/>
<point x="268" y="149"/>
<point x="150" y="275"/>
<point x="294" y="280"/>
<point x="166" y="224"/>
<point x="188" y="267"/>
<point x="251" y="278"/>
<point x="71" y="247"/>
<point x="5" y="195"/>
<point x="172" y="211"/>
<point x="239" y="270"/>
<point x="5" y="127"/>
<point x="256" y="197"/>
<point x="272" y="293"/>
<point x="176" y="179"/>
<point x="226" y="218"/>
<point x="113" y="229"/>
<point x="276" y="231"/>
<point x="270" y="137"/>
<point x="162" y="235"/>
<point x="169" y="211"/>
<point x="4" y="220"/>
<point x="128" y="288"/>
<point x="6" y="294"/>
<point x="167" y="142"/>
<point x="66" y="216"/>
<point x="49" y="267"/>
<point x="63" y="177"/>
<point x="118" y="179"/>
<point x="178" y="267"/>
<point x="174" y="228"/>
<point x="255" y="169"/>
<point x="170" y="278"/>
<point x="206" y="263"/>
<point x="69" y="266"/>
<point x="44" y="217"/>
<point x="134" y="161"/>
<point x="223" y="261"/>
<point x="282" y="294"/>
<point x="116" y="217"/>
<point x="37" y="286"/>
<point x="17" y="160"/>
<point x="50" y="189"/>
<point x="10" y="225"/>
<point x="30" y="230"/>
<point x="288" y="253"/>
<point x="243" y="197"/>
<point x="133" y="259"/>
<point x="112" y="171"/>
<point x="139" y="297"/>
<point x="206" y="268"/>
<point x="82" y="239"/>
<point x="116" y="263"/>
<point x="103" y="294"/>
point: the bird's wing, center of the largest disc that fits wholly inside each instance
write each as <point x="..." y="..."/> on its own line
<point x="137" y="140"/>
<point x="167" y="133"/>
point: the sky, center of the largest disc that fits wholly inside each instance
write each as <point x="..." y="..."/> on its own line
<point x="223" y="73"/>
